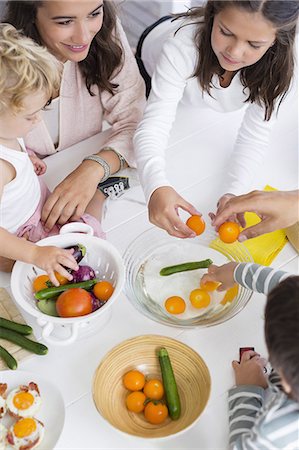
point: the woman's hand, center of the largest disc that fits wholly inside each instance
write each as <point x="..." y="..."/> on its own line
<point x="250" y="370"/>
<point x="71" y="197"/>
<point x="275" y="208"/>
<point x="221" y="274"/>
<point x="52" y="259"/>
<point x="233" y="217"/>
<point x="163" y="212"/>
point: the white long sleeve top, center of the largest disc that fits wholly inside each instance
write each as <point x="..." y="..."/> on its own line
<point x="172" y="59"/>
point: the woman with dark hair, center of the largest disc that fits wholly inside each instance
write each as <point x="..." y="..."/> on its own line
<point x="100" y="82"/>
<point x="221" y="56"/>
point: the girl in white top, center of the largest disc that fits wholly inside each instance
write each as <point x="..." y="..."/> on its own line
<point x="29" y="76"/>
<point x="222" y="56"/>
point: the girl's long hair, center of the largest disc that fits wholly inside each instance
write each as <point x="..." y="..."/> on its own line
<point x="269" y="78"/>
<point x="105" y="57"/>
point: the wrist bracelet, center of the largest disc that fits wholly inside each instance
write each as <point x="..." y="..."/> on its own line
<point x="102" y="163"/>
<point x="122" y="161"/>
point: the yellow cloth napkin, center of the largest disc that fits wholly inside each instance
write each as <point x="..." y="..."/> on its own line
<point x="264" y="248"/>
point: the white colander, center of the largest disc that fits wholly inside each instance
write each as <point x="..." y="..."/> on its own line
<point x="101" y="255"/>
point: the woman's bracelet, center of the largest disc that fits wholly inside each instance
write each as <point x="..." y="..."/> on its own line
<point x="122" y="161"/>
<point x="102" y="163"/>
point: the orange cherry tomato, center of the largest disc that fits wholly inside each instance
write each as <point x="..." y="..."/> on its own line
<point x="209" y="285"/>
<point x="73" y="303"/>
<point x="199" y="298"/>
<point x="135" y="401"/>
<point x="41" y="282"/>
<point x="154" y="389"/>
<point x="175" y="305"/>
<point x="61" y="279"/>
<point x="229" y="232"/>
<point x="103" y="290"/>
<point x="155" y="412"/>
<point x="230" y="294"/>
<point x="134" y="380"/>
<point x="197" y="224"/>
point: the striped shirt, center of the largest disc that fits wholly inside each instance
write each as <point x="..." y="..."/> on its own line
<point x="260" y="420"/>
<point x="258" y="278"/>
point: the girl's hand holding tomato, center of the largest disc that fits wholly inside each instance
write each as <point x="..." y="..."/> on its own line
<point x="221" y="274"/>
<point x="239" y="218"/>
<point x="163" y="212"/>
<point x="52" y="259"/>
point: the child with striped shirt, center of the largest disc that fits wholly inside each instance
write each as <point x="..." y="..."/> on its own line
<point x="264" y="411"/>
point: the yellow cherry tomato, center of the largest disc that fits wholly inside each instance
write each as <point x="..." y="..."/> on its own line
<point x="175" y="305"/>
<point x="230" y="295"/>
<point x="197" y="224"/>
<point x="229" y="232"/>
<point x="154" y="389"/>
<point x="134" y="380"/>
<point x="200" y="298"/>
<point x="135" y="401"/>
<point x="209" y="285"/>
<point x="155" y="412"/>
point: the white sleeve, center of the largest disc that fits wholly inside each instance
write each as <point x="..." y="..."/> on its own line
<point x="249" y="151"/>
<point x="175" y="65"/>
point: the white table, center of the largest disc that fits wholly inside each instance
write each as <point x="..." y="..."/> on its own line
<point x="205" y="140"/>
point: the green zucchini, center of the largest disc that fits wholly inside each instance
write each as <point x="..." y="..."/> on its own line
<point x="170" y="386"/>
<point x="204" y="264"/>
<point x="18" y="327"/>
<point x="55" y="291"/>
<point x="22" y="341"/>
<point x="10" y="361"/>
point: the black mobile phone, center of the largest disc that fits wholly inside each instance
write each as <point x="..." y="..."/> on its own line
<point x="243" y="350"/>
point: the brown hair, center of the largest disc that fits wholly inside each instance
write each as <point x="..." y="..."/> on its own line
<point x="282" y="331"/>
<point x="269" y="78"/>
<point x="25" y="68"/>
<point x="105" y="54"/>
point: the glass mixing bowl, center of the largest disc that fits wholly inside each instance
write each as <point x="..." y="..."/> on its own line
<point x="147" y="290"/>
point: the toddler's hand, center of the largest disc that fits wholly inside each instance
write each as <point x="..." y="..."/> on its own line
<point x="250" y="370"/>
<point x="39" y="165"/>
<point x="221" y="274"/>
<point x="163" y="212"/>
<point x="52" y="259"/>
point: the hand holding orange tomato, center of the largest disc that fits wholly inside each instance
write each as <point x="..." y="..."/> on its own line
<point x="163" y="211"/>
<point x="222" y="274"/>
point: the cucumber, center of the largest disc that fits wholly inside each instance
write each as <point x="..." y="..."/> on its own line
<point x="48" y="306"/>
<point x="22" y="341"/>
<point x="18" y="327"/>
<point x="204" y="264"/>
<point x="170" y="386"/>
<point x="10" y="361"/>
<point x="55" y="291"/>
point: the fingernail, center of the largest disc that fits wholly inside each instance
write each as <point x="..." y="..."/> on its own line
<point x="242" y="238"/>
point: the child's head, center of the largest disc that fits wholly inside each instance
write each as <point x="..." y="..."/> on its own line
<point x="255" y="37"/>
<point x="29" y="76"/>
<point x="282" y="332"/>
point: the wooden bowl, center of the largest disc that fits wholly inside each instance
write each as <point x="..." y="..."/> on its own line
<point x="191" y="373"/>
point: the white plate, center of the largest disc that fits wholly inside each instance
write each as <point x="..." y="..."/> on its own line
<point x="52" y="410"/>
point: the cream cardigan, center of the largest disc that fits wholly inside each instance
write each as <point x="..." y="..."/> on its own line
<point x="82" y="116"/>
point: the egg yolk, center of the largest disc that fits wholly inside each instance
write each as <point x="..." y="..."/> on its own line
<point x="24" y="427"/>
<point x="23" y="400"/>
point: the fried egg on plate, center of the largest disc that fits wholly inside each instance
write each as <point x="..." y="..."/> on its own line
<point x="3" y="407"/>
<point x="3" y="433"/>
<point x="26" y="432"/>
<point x="24" y="401"/>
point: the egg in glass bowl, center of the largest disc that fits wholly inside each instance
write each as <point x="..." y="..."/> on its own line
<point x="148" y="291"/>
